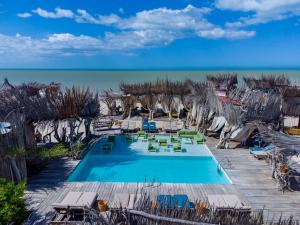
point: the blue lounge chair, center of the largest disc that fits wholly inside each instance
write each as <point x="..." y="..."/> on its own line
<point x="152" y="127"/>
<point x="165" y="201"/>
<point x="145" y="126"/>
<point x="182" y="201"/>
<point x="172" y="201"/>
<point x="257" y="148"/>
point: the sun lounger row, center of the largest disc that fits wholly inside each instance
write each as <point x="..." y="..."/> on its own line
<point x="128" y="126"/>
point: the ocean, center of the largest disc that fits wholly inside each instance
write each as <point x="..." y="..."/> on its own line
<point x="99" y="80"/>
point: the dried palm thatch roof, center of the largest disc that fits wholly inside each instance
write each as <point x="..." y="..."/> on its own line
<point x="267" y="82"/>
<point x="226" y="81"/>
<point x="6" y="86"/>
<point x="259" y="105"/>
<point x="156" y="88"/>
<point x="282" y="141"/>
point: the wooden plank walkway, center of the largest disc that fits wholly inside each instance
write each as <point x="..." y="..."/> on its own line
<point x="251" y="178"/>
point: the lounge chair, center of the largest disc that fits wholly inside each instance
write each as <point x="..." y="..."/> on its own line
<point x="141" y="134"/>
<point x="152" y="137"/>
<point x="226" y="202"/>
<point x="75" y="204"/>
<point x="198" y="138"/>
<point x="257" y="148"/>
<point x="163" y="142"/>
<point x="187" y="133"/>
<point x="175" y="139"/>
<point x="261" y="152"/>
<point x="152" y="148"/>
<point x="152" y="127"/>
<point x="174" y="201"/>
<point x="177" y="147"/>
<point x="145" y="126"/>
<point x="76" y="200"/>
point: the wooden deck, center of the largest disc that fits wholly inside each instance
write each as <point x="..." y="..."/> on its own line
<point x="251" y="178"/>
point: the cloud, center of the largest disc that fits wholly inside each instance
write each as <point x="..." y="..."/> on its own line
<point x="84" y="17"/>
<point x="58" y="13"/>
<point x="146" y="29"/>
<point x="24" y="15"/>
<point x="262" y="11"/>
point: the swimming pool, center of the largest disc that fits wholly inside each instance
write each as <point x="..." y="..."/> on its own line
<point x="132" y="162"/>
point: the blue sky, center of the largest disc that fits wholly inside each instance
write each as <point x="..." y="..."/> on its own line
<point x="149" y="34"/>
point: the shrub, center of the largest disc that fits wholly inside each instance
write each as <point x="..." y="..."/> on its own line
<point x="57" y="151"/>
<point x="76" y="150"/>
<point x="12" y="202"/>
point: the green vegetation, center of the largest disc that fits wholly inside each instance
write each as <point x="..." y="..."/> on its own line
<point x="13" y="153"/>
<point x="76" y="150"/>
<point x="57" y="151"/>
<point x="12" y="202"/>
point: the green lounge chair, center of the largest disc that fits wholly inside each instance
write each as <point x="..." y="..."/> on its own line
<point x="187" y="133"/>
<point x="177" y="148"/>
<point x="152" y="137"/>
<point x="152" y="148"/>
<point x="199" y="139"/>
<point x="163" y="142"/>
<point x="175" y="139"/>
<point x="141" y="134"/>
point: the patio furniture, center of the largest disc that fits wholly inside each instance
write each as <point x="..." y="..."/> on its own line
<point x="145" y="126"/>
<point x="152" y="148"/>
<point x="187" y="133"/>
<point x="74" y="208"/>
<point x="152" y="126"/>
<point x="174" y="201"/>
<point x="102" y="123"/>
<point x="175" y="139"/>
<point x="199" y="138"/>
<point x="226" y="202"/>
<point x="152" y="137"/>
<point x="162" y="142"/>
<point x="177" y="147"/>
<point x="76" y="200"/>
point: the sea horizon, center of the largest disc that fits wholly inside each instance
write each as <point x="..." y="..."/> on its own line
<point x="105" y="79"/>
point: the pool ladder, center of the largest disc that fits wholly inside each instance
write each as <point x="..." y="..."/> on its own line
<point x="219" y="167"/>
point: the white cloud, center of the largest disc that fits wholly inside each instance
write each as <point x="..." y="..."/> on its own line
<point x="145" y="29"/>
<point x="24" y="15"/>
<point x="58" y="13"/>
<point x="263" y="11"/>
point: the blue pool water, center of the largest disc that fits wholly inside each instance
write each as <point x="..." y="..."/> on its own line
<point x="131" y="162"/>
